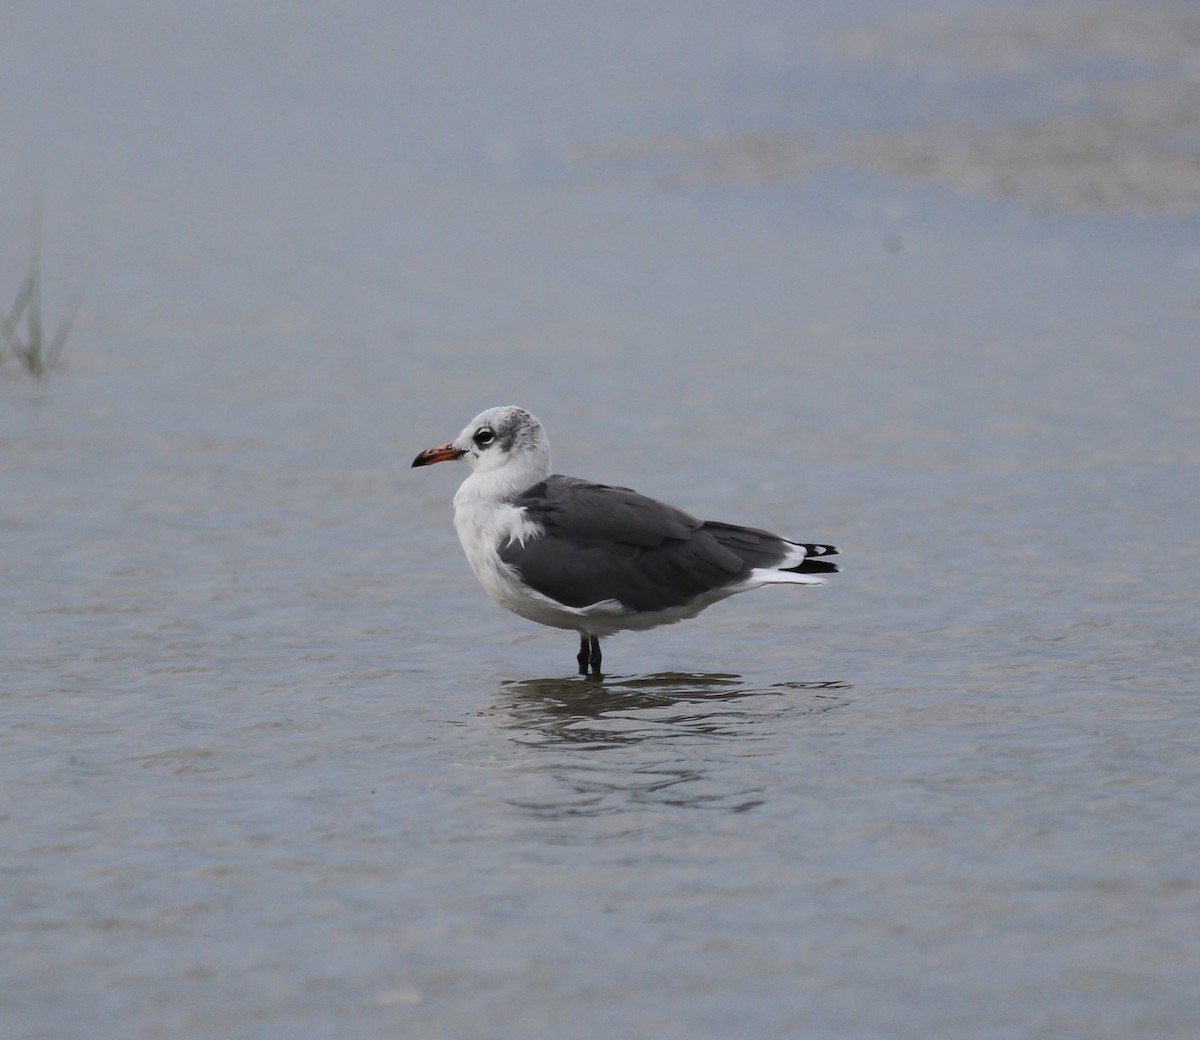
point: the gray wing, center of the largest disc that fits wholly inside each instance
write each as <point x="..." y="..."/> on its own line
<point x="609" y="543"/>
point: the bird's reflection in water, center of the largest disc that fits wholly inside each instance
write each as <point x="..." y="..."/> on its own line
<point x="673" y="738"/>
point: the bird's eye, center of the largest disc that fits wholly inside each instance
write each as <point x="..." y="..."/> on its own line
<point x="484" y="437"/>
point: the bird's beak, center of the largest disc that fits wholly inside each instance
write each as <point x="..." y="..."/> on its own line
<point x="442" y="453"/>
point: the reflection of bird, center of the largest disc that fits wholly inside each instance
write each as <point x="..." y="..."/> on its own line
<point x="627" y="711"/>
<point x="596" y="559"/>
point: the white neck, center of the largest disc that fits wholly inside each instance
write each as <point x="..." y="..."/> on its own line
<point x="504" y="482"/>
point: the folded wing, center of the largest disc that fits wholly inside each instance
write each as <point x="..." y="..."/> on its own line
<point x="603" y="543"/>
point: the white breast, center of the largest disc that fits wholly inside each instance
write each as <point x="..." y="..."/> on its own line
<point x="484" y="524"/>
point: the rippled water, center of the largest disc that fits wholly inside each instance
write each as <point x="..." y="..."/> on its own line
<point x="272" y="762"/>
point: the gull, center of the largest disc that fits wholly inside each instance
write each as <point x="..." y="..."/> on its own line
<point x="596" y="559"/>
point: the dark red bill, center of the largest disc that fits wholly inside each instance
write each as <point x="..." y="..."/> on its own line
<point x="442" y="453"/>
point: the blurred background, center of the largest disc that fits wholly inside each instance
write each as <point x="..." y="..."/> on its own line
<point x="920" y="280"/>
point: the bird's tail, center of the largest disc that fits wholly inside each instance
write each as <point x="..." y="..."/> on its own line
<point x="773" y="560"/>
<point x="809" y="565"/>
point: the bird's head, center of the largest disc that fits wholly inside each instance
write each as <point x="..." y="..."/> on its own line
<point x="500" y="438"/>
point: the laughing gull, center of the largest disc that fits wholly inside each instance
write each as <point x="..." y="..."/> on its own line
<point x="592" y="558"/>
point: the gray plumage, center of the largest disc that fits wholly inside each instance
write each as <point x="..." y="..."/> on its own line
<point x="610" y="543"/>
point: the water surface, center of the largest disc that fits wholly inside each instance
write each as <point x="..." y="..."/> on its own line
<point x="274" y="765"/>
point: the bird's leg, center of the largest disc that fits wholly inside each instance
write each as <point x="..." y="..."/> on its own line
<point x="589" y="654"/>
<point x="594" y="643"/>
<point x="583" y="654"/>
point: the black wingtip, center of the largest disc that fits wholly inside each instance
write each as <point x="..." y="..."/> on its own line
<point x="815" y="567"/>
<point x="813" y="549"/>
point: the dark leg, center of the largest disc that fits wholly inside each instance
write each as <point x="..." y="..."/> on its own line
<point x="589" y="654"/>
<point x="583" y="655"/>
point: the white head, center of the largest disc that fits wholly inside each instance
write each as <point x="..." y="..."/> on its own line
<point x="506" y="441"/>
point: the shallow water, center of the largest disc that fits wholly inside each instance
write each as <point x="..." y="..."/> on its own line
<point x="273" y="764"/>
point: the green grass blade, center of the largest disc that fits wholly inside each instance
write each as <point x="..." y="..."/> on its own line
<point x="32" y="350"/>
<point x="61" y="333"/>
<point x="24" y="295"/>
